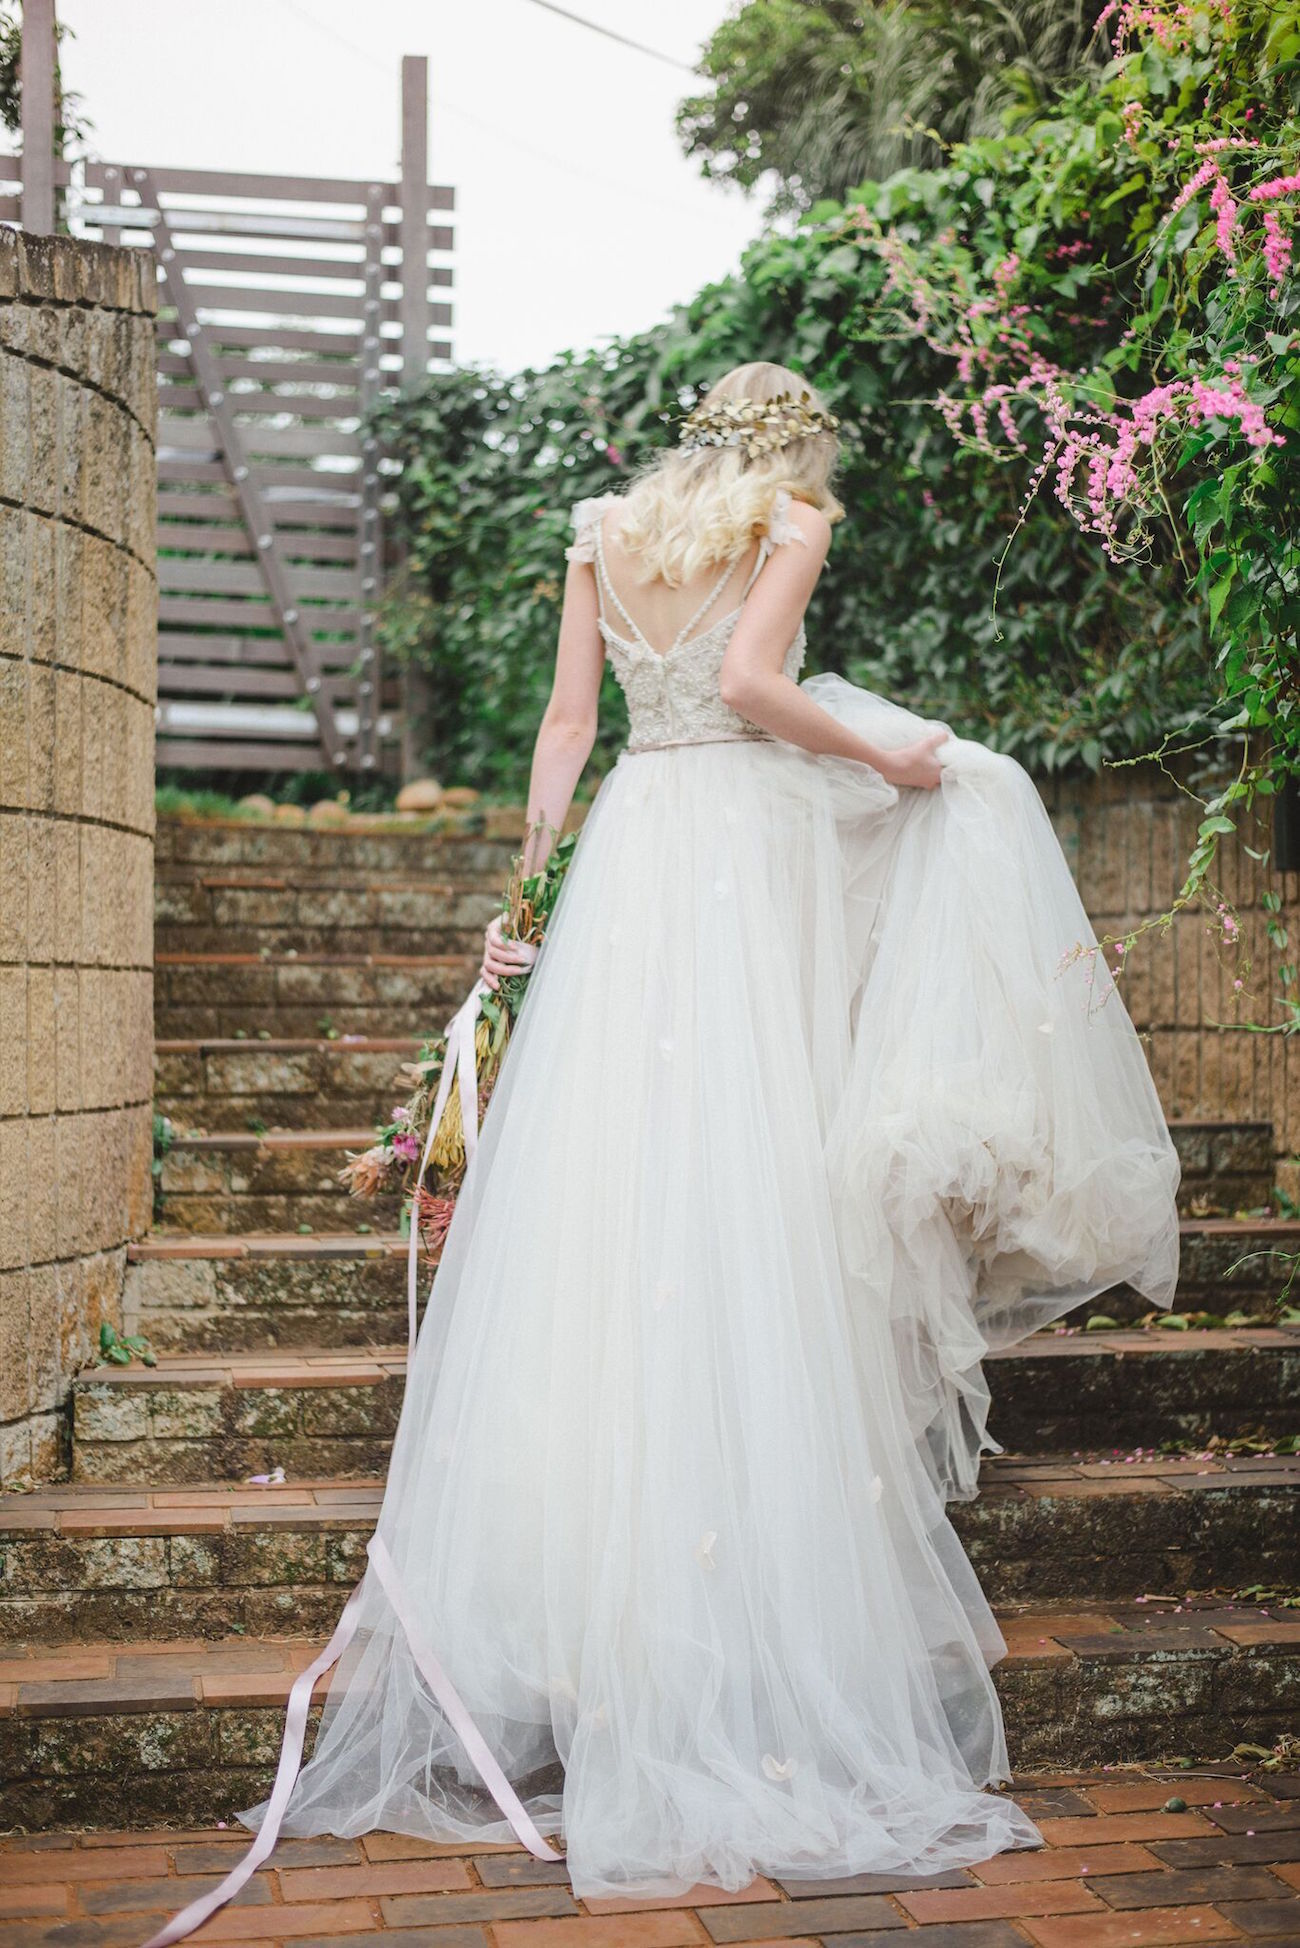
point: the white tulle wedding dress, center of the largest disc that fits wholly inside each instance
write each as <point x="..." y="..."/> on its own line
<point x="808" y="1108"/>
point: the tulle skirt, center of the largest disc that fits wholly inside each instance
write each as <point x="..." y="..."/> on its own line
<point x="811" y="1103"/>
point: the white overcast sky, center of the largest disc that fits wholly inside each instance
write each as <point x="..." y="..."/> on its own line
<point x="577" y="214"/>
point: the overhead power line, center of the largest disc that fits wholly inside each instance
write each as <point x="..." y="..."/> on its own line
<point x="550" y="6"/>
<point x="612" y="34"/>
<point x="328" y="33"/>
<point x="494" y="129"/>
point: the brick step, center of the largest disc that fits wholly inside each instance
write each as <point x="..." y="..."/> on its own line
<point x="361" y="850"/>
<point x="351" y="1085"/>
<point x="232" y="1082"/>
<point x="222" y="1417"/>
<point x="185" y="1731"/>
<point x="227" y="1084"/>
<point x="246" y="1294"/>
<point x="1226" y="1166"/>
<point x="193" y="1418"/>
<point x="241" y="1293"/>
<point x="435" y="936"/>
<point x="184" y="896"/>
<point x="256" y="914"/>
<point x="1226" y="1265"/>
<point x="1116" y="1867"/>
<point x="300" y="996"/>
<point x="1055" y="1527"/>
<point x="1089" y="1390"/>
<point x="233" y="1183"/>
<point x="78" y="1562"/>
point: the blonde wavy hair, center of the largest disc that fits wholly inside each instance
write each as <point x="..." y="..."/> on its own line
<point x="695" y="510"/>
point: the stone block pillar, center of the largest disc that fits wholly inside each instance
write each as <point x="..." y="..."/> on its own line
<point x="78" y="677"/>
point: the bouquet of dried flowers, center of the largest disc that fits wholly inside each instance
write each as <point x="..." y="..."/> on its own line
<point x="392" y="1163"/>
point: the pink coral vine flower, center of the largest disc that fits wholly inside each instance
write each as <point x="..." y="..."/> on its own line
<point x="1275" y="186"/>
<point x="1276" y="248"/>
<point x="1277" y="253"/>
<point x="1224" y="205"/>
<point x="1098" y="459"/>
<point x="1169" y="26"/>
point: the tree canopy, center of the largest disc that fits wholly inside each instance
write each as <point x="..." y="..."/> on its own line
<point x="823" y="94"/>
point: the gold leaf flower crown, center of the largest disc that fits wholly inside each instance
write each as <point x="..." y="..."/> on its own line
<point x="757" y="425"/>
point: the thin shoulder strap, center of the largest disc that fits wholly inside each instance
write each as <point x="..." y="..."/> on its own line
<point x="687" y="628"/>
<point x="780" y="528"/>
<point x="605" y="586"/>
<point x="601" y="577"/>
<point x="765" y="546"/>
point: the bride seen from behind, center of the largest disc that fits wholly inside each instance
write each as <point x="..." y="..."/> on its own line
<point x="812" y="1105"/>
<point x="809" y="1153"/>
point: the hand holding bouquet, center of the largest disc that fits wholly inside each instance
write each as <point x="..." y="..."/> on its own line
<point x="504" y="958"/>
<point x="510" y="949"/>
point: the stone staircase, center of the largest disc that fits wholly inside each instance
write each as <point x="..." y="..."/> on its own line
<point x="1138" y="1537"/>
<point x="223" y="1416"/>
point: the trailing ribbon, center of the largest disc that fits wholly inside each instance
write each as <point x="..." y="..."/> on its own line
<point x="286" y="1776"/>
<point x="458" y="1062"/>
<point x="453" y="1708"/>
<point x="295" y="1732"/>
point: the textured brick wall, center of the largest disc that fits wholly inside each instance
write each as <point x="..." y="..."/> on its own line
<point x="77" y="684"/>
<point x="1127" y="836"/>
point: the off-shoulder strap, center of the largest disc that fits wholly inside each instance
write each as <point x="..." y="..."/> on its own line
<point x="586" y="518"/>
<point x="780" y="528"/>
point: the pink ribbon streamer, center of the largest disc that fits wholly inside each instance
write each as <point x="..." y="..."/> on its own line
<point x="453" y="1709"/>
<point x="458" y="1064"/>
<point x="286" y="1776"/>
<point x="295" y="1731"/>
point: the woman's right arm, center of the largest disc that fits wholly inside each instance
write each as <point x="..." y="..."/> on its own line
<point x="564" y="743"/>
<point x="753" y="680"/>
<point x="568" y="727"/>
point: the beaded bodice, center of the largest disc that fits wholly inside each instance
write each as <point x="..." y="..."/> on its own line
<point x="673" y="695"/>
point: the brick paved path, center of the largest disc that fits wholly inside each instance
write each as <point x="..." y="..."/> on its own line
<point x="1117" y="1870"/>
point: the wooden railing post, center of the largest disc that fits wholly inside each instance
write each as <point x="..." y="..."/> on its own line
<point x="416" y="690"/>
<point x="38" y="89"/>
<point x="415" y="218"/>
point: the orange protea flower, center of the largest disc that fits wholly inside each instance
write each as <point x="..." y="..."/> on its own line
<point x="434" y="1218"/>
<point x="366" y="1172"/>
